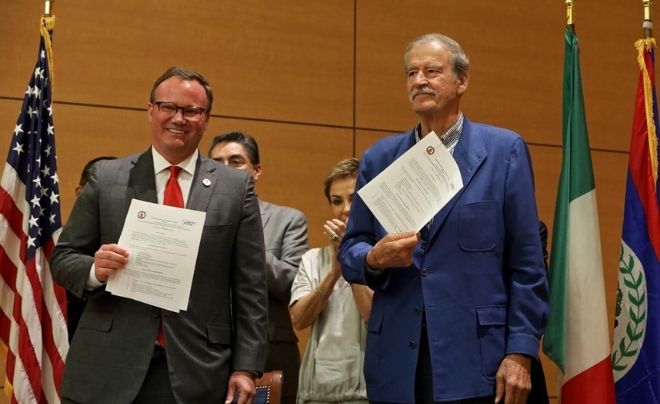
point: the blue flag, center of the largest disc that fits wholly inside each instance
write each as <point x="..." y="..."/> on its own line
<point x="636" y="341"/>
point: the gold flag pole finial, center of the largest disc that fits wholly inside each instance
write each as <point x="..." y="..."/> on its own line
<point x="46" y="27"/>
<point x="647" y="9"/>
<point x="647" y="24"/>
<point x="48" y="7"/>
<point x="569" y="15"/>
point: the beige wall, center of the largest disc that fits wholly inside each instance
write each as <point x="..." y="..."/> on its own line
<point x="318" y="81"/>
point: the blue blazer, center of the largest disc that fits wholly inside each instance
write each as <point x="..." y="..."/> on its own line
<point x="479" y="277"/>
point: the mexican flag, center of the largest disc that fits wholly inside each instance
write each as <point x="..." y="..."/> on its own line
<point x="577" y="335"/>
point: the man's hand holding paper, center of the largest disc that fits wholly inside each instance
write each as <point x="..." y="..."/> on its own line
<point x="108" y="259"/>
<point x="393" y="250"/>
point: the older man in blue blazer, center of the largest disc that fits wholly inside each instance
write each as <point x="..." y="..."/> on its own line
<point x="459" y="307"/>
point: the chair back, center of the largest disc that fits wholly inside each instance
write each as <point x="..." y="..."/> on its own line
<point x="269" y="388"/>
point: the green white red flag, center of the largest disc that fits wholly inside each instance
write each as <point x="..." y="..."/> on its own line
<point x="577" y="334"/>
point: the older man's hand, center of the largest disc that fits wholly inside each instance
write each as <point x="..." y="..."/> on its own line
<point x="393" y="250"/>
<point x="513" y="379"/>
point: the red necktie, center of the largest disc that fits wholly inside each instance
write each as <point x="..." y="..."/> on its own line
<point x="173" y="197"/>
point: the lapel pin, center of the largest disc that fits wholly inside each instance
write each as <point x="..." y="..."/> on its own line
<point x="206" y="182"/>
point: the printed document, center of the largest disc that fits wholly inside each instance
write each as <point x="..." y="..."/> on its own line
<point x="407" y="194"/>
<point x="162" y="243"/>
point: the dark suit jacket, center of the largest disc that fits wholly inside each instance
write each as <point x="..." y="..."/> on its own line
<point x="285" y="237"/>
<point x="479" y="278"/>
<point x="224" y="327"/>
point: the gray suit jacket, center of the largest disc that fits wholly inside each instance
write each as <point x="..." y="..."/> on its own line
<point x="285" y="235"/>
<point x="224" y="327"/>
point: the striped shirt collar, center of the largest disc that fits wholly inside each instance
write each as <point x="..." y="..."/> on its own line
<point x="450" y="137"/>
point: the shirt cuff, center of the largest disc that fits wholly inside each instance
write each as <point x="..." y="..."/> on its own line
<point x="92" y="282"/>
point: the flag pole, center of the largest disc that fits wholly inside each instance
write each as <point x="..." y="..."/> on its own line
<point x="647" y="24"/>
<point x="48" y="7"/>
<point x="47" y="25"/>
<point x="570" y="25"/>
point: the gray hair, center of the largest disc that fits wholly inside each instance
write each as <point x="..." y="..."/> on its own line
<point x="460" y="61"/>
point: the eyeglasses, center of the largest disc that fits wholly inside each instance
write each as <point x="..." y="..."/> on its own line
<point x="170" y="109"/>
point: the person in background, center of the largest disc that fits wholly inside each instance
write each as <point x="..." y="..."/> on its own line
<point x="74" y="304"/>
<point x="460" y="306"/>
<point x="331" y="370"/>
<point x="126" y="351"/>
<point x="285" y="237"/>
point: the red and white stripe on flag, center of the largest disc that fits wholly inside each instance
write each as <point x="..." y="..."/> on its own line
<point x="32" y="307"/>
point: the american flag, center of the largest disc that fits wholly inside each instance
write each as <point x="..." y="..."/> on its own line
<point x="32" y="307"/>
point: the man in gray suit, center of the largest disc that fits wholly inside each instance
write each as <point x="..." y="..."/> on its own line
<point x="216" y="347"/>
<point x="285" y="235"/>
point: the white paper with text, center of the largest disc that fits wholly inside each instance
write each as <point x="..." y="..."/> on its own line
<point x="410" y="191"/>
<point x="162" y="242"/>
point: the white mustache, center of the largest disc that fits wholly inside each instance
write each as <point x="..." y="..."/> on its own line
<point x="424" y="90"/>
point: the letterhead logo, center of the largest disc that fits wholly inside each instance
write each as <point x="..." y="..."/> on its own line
<point x="430" y="150"/>
<point x="141" y="214"/>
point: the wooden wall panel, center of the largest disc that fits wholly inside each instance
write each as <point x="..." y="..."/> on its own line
<point x="364" y="139"/>
<point x="273" y="62"/>
<point x="611" y="170"/>
<point x="19" y="43"/>
<point x="546" y="162"/>
<point x="516" y="53"/>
